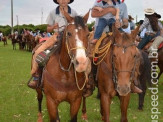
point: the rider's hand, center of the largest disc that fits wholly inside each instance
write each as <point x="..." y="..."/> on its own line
<point x="117" y="24"/>
<point x="55" y="26"/>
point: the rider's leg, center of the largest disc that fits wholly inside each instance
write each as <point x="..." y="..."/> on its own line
<point x="99" y="29"/>
<point x="50" y="42"/>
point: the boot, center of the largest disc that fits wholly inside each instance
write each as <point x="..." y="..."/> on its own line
<point x="135" y="89"/>
<point x="33" y="84"/>
<point x="89" y="88"/>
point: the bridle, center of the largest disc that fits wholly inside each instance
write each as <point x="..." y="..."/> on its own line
<point x="115" y="72"/>
<point x="71" y="56"/>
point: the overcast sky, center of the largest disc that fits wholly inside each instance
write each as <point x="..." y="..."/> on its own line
<point x="29" y="11"/>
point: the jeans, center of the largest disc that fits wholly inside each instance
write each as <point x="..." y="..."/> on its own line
<point x="146" y="39"/>
<point x="102" y="23"/>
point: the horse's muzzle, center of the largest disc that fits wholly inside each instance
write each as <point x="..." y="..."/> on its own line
<point x="123" y="90"/>
<point x="81" y="65"/>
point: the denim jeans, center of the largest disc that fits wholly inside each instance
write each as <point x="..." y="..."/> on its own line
<point x="146" y="39"/>
<point x="102" y="23"/>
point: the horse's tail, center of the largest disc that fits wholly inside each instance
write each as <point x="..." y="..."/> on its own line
<point x="145" y="68"/>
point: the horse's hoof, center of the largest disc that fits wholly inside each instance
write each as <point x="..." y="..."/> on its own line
<point x="84" y="117"/>
<point x="39" y="117"/>
<point x="102" y="118"/>
<point x="140" y="108"/>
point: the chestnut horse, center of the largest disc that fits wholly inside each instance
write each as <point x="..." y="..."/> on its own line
<point x="4" y="39"/>
<point x="65" y="73"/>
<point x="118" y="71"/>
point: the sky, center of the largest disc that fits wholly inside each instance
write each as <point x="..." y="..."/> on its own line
<point x="30" y="11"/>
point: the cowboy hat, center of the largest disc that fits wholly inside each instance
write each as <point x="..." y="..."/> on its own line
<point x="130" y="17"/>
<point x="68" y="3"/>
<point x="149" y="11"/>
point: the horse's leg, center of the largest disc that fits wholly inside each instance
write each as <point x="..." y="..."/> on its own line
<point x="74" y="108"/>
<point x="141" y="100"/>
<point x="142" y="95"/>
<point x="84" y="114"/>
<point x="39" y="98"/>
<point x="159" y="74"/>
<point x="52" y="109"/>
<point x="105" y="107"/>
<point x="124" y="102"/>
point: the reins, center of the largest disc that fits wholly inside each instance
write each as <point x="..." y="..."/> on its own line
<point x="115" y="72"/>
<point x="72" y="61"/>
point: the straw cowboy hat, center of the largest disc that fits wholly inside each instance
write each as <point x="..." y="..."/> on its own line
<point x="130" y="17"/>
<point x="149" y="11"/>
<point x="68" y="3"/>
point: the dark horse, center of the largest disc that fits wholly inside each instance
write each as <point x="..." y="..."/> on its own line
<point x="13" y="40"/>
<point x="65" y="73"/>
<point x="118" y="72"/>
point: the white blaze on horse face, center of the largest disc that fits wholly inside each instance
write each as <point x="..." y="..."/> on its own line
<point x="80" y="51"/>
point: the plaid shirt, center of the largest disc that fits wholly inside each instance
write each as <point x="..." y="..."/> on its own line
<point x="146" y="24"/>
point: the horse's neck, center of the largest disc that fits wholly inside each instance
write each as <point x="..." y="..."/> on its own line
<point x="64" y="56"/>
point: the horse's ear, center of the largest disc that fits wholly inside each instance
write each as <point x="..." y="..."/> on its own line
<point x="115" y="30"/>
<point x="67" y="16"/>
<point x="135" y="32"/>
<point x="85" y="18"/>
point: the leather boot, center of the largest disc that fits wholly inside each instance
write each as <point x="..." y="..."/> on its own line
<point x="33" y="84"/>
<point x="135" y="89"/>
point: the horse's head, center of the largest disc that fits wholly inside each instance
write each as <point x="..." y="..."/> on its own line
<point x="124" y="60"/>
<point x="77" y="40"/>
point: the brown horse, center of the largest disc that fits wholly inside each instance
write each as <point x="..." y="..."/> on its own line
<point x="118" y="71"/>
<point x="66" y="80"/>
<point x="4" y="39"/>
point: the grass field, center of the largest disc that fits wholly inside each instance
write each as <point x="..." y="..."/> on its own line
<point x="18" y="102"/>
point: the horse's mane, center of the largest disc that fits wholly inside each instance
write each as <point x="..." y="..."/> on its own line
<point x="79" y="22"/>
<point x="126" y="37"/>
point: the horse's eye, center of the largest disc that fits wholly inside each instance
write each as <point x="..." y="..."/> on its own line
<point x="114" y="56"/>
<point x="88" y="35"/>
<point x="69" y="34"/>
<point x="134" y="56"/>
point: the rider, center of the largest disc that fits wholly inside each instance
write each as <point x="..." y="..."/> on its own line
<point x="132" y="24"/>
<point x="1" y="35"/>
<point x="107" y="19"/>
<point x="16" y="34"/>
<point x="152" y="25"/>
<point x="56" y="21"/>
<point x="123" y="23"/>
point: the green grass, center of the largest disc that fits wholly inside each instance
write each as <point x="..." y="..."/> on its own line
<point x="18" y="102"/>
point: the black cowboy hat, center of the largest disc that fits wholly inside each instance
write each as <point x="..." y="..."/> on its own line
<point x="68" y="3"/>
<point x="130" y="17"/>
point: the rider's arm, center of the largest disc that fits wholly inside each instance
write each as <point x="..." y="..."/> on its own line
<point x="96" y="13"/>
<point x="50" y="28"/>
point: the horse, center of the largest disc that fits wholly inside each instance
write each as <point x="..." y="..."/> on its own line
<point x="65" y="82"/>
<point x="4" y="39"/>
<point x="160" y="53"/>
<point x="118" y="71"/>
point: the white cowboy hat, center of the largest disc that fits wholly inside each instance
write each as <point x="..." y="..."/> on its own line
<point x="149" y="11"/>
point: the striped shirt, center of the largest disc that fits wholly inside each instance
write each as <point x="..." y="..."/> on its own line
<point x="146" y="24"/>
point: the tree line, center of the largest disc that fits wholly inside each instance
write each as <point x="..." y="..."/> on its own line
<point x="6" y="30"/>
